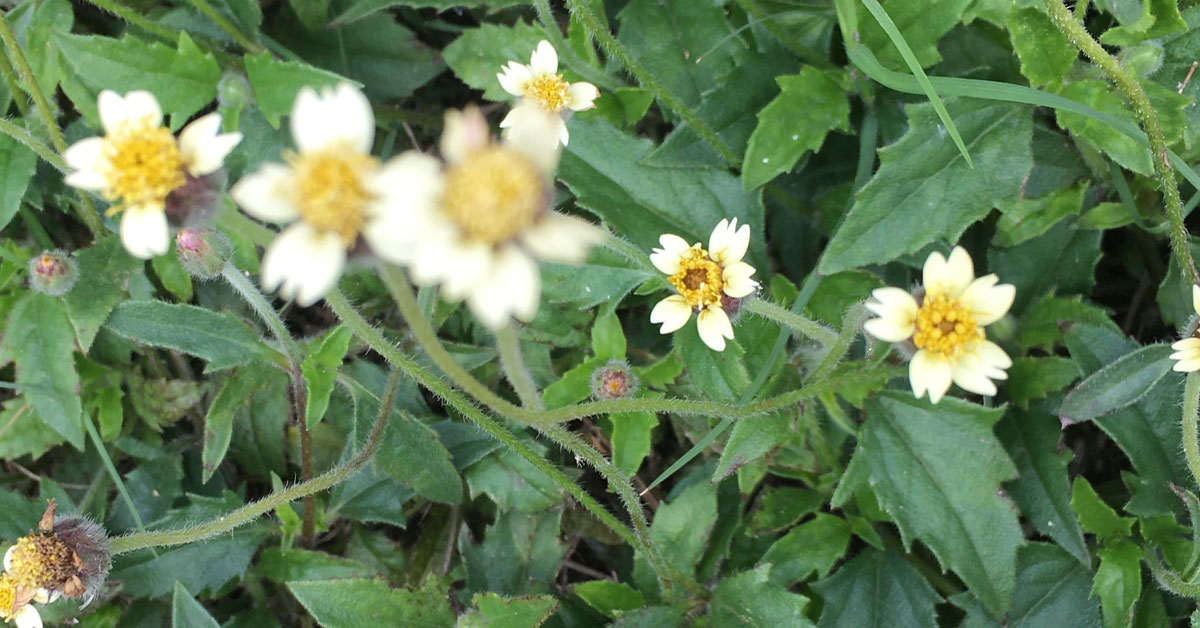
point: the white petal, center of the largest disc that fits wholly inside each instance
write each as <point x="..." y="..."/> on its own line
<point x="970" y="374"/>
<point x="928" y="372"/>
<point x="535" y="134"/>
<point x="1187" y="344"/>
<point x="563" y="239"/>
<point x="1196" y="298"/>
<point x="144" y="231"/>
<point x="266" y="194"/>
<point x="461" y="272"/>
<point x="948" y="277"/>
<point x="137" y="107"/>
<point x="85" y="155"/>
<point x="889" y="329"/>
<point x="28" y="617"/>
<point x="728" y="243"/>
<point x="714" y="327"/>
<point x="737" y="281"/>
<point x="673" y="312"/>
<point x="514" y="78"/>
<point x="582" y="96"/>
<point x="341" y="114"/>
<point x="203" y="148"/>
<point x="666" y="259"/>
<point x="544" y="59"/>
<point x="993" y="356"/>
<point x="407" y="188"/>
<point x="1187" y="366"/>
<point x="304" y="263"/>
<point x="512" y="289"/>
<point x="893" y="303"/>
<point x="987" y="301"/>
<point x="8" y="558"/>
<point x="464" y="132"/>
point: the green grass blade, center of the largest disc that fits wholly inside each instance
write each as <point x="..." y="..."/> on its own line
<point x="910" y="60"/>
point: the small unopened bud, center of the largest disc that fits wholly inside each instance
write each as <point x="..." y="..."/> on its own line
<point x="202" y="252"/>
<point x="614" y="380"/>
<point x="194" y="203"/>
<point x="234" y="91"/>
<point x="52" y="272"/>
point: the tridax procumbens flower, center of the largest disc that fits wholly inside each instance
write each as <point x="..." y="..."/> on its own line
<point x="478" y="222"/>
<point x="945" y="322"/>
<point x="332" y="187"/>
<point x="138" y="163"/>
<point x="15" y="610"/>
<point x="541" y="92"/>
<point x="704" y="279"/>
<point x="1187" y="351"/>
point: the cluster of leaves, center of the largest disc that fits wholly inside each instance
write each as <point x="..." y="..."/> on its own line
<point x="147" y="399"/>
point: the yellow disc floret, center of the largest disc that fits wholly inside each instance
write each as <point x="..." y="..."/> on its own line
<point x="945" y="327"/>
<point x="331" y="189"/>
<point x="8" y="596"/>
<point x="698" y="279"/>
<point x="550" y="90"/>
<point x="143" y="164"/>
<point x="494" y="194"/>
<point x="41" y="561"/>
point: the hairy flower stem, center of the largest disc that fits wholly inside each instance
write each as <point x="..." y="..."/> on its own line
<point x="1078" y="35"/>
<point x="32" y="143"/>
<point x="513" y="365"/>
<point x="251" y="511"/>
<point x="86" y="211"/>
<point x="1191" y="415"/>
<point x="805" y="327"/>
<point x="597" y="28"/>
<point x="376" y="341"/>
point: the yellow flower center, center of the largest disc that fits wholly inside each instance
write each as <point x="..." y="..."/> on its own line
<point x="550" y="90"/>
<point x="698" y="279"/>
<point x="144" y="164"/>
<point x="331" y="190"/>
<point x="8" y="596"/>
<point x="945" y="327"/>
<point x="494" y="194"/>
<point x="41" y="561"/>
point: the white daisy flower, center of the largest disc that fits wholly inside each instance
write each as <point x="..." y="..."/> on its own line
<point x="478" y="222"/>
<point x="15" y="605"/>
<point x="1187" y="351"/>
<point x="703" y="280"/>
<point x="138" y="163"/>
<point x="333" y="189"/>
<point x="946" y="325"/>
<point x="542" y="93"/>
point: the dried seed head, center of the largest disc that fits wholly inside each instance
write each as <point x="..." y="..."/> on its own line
<point x="67" y="555"/>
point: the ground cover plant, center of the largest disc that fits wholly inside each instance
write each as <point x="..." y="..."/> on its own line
<point x="631" y="313"/>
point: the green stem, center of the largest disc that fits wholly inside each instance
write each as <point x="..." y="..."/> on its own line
<point x="812" y="329"/>
<point x="566" y="53"/>
<point x="1191" y="405"/>
<point x="630" y="252"/>
<point x="266" y="313"/>
<point x="1074" y="30"/>
<point x="251" y="511"/>
<point x="513" y="364"/>
<point x="112" y="472"/>
<point x="86" y="211"/>
<point x="224" y="24"/>
<point x="10" y="79"/>
<point x="23" y="136"/>
<point x="597" y="27"/>
<point x="134" y="17"/>
<point x="851" y="325"/>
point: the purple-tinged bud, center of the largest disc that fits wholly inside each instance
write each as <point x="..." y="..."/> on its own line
<point x="194" y="203"/>
<point x="52" y="272"/>
<point x="614" y="380"/>
<point x="202" y="252"/>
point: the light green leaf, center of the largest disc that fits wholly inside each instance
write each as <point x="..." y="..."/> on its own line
<point x="1118" y="583"/>
<point x="631" y="439"/>
<point x="809" y="548"/>
<point x="1117" y="385"/>
<point x="220" y="339"/>
<point x="751" y="600"/>
<point x="809" y="105"/>
<point x="1026" y="218"/>
<point x="172" y="275"/>
<point x="924" y="190"/>
<point x="104" y="268"/>
<point x="26" y="433"/>
<point x="937" y="471"/>
<point x="496" y="611"/>
<point x="41" y="340"/>
<point x="877" y="590"/>
<point x="1096" y="516"/>
<point x="236" y="393"/>
<point x="481" y="53"/>
<point x="186" y="612"/>
<point x="183" y="80"/>
<point x="1045" y="53"/>
<point x="574" y="386"/>
<point x="17" y="165"/>
<point x="608" y="339"/>
<point x="276" y="83"/>
<point x="721" y="375"/>
<point x="1098" y="95"/>
<point x="319" y="368"/>
<point x="609" y="597"/>
<point x="1033" y="378"/>
<point x="359" y="602"/>
<point x="921" y="23"/>
<point x="1159" y="18"/>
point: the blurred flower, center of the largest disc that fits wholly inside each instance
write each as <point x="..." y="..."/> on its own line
<point x="138" y="163"/>
<point x="16" y="611"/>
<point x="704" y="279"/>
<point x="478" y="222"/>
<point x="946" y="323"/>
<point x="1187" y="351"/>
<point x="614" y="380"/>
<point x="67" y="555"/>
<point x="202" y="252"/>
<point x="53" y="272"/>
<point x="541" y="92"/>
<point x="333" y="188"/>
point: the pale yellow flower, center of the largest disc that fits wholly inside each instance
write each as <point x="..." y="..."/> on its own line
<point x="946" y="326"/>
<point x="1187" y="351"/>
<point x="542" y="93"/>
<point x="14" y="610"/>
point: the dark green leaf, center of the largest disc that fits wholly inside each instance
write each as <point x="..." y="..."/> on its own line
<point x="17" y="164"/>
<point x="809" y="105"/>
<point x="1117" y="385"/>
<point x="877" y="590"/>
<point x="1052" y="590"/>
<point x="481" y="53"/>
<point x="41" y="340"/>
<point x="609" y="597"/>
<point x="237" y="392"/>
<point x="290" y="565"/>
<point x="220" y="339"/>
<point x="186" y="612"/>
<point x="497" y="611"/>
<point x="809" y="548"/>
<point x="359" y="602"/>
<point x="752" y="600"/>
<point x="104" y="268"/>
<point x="320" y="367"/>
<point x="276" y="83"/>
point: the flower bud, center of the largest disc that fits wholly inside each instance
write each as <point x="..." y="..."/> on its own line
<point x="234" y="91"/>
<point x="52" y="272"/>
<point x="202" y="252"/>
<point x="194" y="203"/>
<point x="614" y="380"/>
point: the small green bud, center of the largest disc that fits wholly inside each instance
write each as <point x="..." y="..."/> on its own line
<point x="202" y="252"/>
<point x="233" y="91"/>
<point x="614" y="380"/>
<point x="52" y="272"/>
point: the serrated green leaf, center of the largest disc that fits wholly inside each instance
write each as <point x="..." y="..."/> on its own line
<point x="721" y="375"/>
<point x="631" y="439"/>
<point x="1052" y="590"/>
<point x="609" y="597"/>
<point x="237" y="392"/>
<point x="1033" y="378"/>
<point x="924" y="190"/>
<point x="1117" y="385"/>
<point x="877" y="590"/>
<point x="812" y="547"/>
<point x="104" y="268"/>
<point x="17" y="164"/>
<point x="780" y="507"/>
<point x="496" y="611"/>
<point x="481" y="53"/>
<point x="682" y="527"/>
<point x="519" y="554"/>
<point x="1023" y="219"/>
<point x="809" y="105"/>
<point x="202" y="567"/>
<point x="41" y="340"/>
<point x="574" y="386"/>
<point x="1073" y="252"/>
<point x="752" y="600"/>
<point x="937" y="470"/>
<point x="751" y="440"/>
<point x="1159" y="18"/>
<point x="1044" y="51"/>
<point x="320" y="368"/>
<point x="183" y="79"/>
<point x="26" y="434"/>
<point x="921" y="24"/>
<point x="359" y="602"/>
<point x="186" y="612"/>
<point x="172" y="275"/>
<point x="605" y="278"/>
<point x="412" y="454"/>
<point x="1118" y="583"/>
<point x="220" y="339"/>
<point x="276" y="83"/>
<point x="513" y="483"/>
<point x="1098" y="95"/>
<point x="1097" y="517"/>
